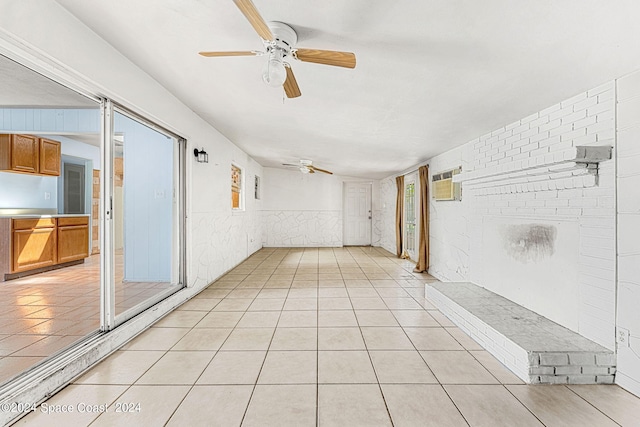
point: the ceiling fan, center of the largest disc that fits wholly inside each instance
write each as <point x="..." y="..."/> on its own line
<point x="279" y="43"/>
<point x="305" y="166"/>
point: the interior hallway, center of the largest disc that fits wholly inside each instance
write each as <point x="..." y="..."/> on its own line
<point x="340" y="337"/>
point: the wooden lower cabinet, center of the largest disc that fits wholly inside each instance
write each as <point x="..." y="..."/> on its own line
<point x="38" y="243"/>
<point x="34" y="248"/>
<point x="73" y="239"/>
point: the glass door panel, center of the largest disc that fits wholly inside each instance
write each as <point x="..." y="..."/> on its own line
<point x="410" y="216"/>
<point x="49" y="218"/>
<point x="145" y="215"/>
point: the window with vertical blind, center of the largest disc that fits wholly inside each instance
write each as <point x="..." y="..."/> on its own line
<point x="236" y="187"/>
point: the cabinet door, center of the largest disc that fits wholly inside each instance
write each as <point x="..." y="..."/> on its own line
<point x="49" y="157"/>
<point x="25" y="153"/>
<point x="73" y="243"/>
<point x="33" y="249"/>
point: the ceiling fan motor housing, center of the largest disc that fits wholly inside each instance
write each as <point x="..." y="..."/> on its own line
<point x="285" y="38"/>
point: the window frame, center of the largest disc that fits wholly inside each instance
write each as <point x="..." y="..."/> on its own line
<point x="241" y="194"/>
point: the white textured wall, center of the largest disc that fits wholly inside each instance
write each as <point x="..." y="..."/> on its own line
<point x="629" y="229"/>
<point x="307" y="209"/>
<point x="301" y="209"/>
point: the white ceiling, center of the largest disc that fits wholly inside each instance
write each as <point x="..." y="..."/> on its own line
<point x="22" y="87"/>
<point x="430" y="74"/>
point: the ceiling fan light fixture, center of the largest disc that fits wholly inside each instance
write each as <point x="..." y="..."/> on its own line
<point x="274" y="73"/>
<point x="304" y="169"/>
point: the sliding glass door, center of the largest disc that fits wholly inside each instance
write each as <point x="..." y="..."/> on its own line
<point x="50" y="157"/>
<point x="91" y="218"/>
<point x="146" y="214"/>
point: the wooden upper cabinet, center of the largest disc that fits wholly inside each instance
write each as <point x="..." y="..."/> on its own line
<point x="49" y="157"/>
<point x="20" y="153"/>
<point x="29" y="154"/>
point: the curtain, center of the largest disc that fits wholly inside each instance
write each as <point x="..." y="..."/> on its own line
<point x="423" y="245"/>
<point x="399" y="212"/>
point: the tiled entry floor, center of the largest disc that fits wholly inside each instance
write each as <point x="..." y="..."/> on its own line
<point x="44" y="313"/>
<point x="330" y="337"/>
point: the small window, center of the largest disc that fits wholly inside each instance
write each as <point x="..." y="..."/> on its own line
<point x="257" y="187"/>
<point x="236" y="187"/>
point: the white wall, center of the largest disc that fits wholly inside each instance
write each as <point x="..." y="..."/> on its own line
<point x="147" y="209"/>
<point x="306" y="209"/>
<point x="628" y="114"/>
<point x="22" y="191"/>
<point x="574" y="283"/>
<point x="217" y="240"/>
<point x="71" y="147"/>
<point x="385" y="215"/>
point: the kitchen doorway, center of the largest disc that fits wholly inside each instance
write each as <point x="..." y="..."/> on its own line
<point x="73" y="189"/>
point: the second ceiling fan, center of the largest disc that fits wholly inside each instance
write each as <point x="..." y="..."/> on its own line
<point x="279" y="41"/>
<point x="306" y="166"/>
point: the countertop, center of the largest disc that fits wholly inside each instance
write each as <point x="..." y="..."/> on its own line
<point x="42" y="216"/>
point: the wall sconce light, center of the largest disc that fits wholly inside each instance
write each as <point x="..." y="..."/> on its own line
<point x="201" y="155"/>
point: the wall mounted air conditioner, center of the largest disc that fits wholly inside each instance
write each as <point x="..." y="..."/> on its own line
<point x="443" y="187"/>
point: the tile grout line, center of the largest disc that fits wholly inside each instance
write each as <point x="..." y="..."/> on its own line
<point x="192" y="387"/>
<point x="375" y="373"/>
<point x="522" y="403"/>
<point x="266" y="354"/>
<point x="588" y="402"/>
<point x="454" y="404"/>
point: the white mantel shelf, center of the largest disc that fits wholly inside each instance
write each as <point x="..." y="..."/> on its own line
<point x="580" y="157"/>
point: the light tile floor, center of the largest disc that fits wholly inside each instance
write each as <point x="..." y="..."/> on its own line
<point x="330" y="337"/>
<point x="43" y="313"/>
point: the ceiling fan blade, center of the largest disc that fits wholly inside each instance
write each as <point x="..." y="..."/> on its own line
<point x="321" y="170"/>
<point x="326" y="57"/>
<point x="250" y="12"/>
<point x="290" y="164"/>
<point x="230" y="53"/>
<point x="291" y="85"/>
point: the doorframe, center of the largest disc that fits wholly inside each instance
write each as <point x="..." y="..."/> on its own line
<point x="88" y="173"/>
<point x="112" y="320"/>
<point x="345" y="184"/>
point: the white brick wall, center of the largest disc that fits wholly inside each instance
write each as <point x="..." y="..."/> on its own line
<point x="521" y="171"/>
<point x="628" y="180"/>
<point x="588" y="118"/>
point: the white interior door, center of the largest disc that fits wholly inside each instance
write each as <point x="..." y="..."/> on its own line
<point x="357" y="214"/>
